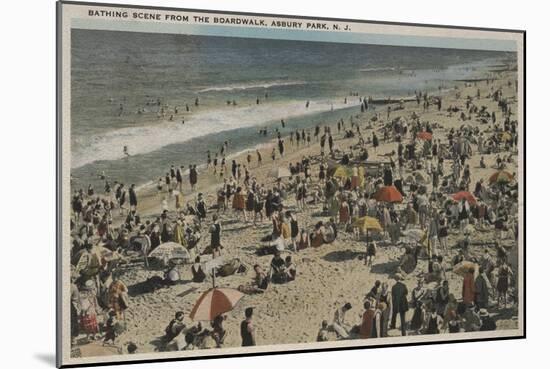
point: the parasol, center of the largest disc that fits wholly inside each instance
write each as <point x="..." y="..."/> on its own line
<point x="388" y="194"/>
<point x="169" y="251"/>
<point x="501" y="176"/>
<point x="214" y="302"/>
<point x="341" y="172"/>
<point x="459" y="196"/>
<point x="368" y="223"/>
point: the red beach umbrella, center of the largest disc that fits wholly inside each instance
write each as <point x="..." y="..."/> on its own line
<point x="464" y="195"/>
<point x="424" y="136"/>
<point x="214" y="302"/>
<point x="388" y="194"/>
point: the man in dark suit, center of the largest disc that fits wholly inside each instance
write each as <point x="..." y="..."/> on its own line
<point x="400" y="304"/>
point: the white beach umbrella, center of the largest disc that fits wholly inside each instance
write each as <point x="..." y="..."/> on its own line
<point x="170" y="250"/>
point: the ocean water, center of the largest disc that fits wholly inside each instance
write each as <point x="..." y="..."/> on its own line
<point x="119" y="78"/>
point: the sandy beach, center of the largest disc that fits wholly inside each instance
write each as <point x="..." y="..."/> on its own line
<point x="327" y="276"/>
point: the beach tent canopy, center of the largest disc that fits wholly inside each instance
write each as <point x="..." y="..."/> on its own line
<point x="368" y="224"/>
<point x="388" y="194"/>
<point x="501" y="176"/>
<point x="279" y="172"/>
<point x="464" y="195"/>
<point x="214" y="302"/>
<point x="169" y="251"/>
<point x="427" y="136"/>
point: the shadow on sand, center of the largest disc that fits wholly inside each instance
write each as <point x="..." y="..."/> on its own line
<point x="343" y="255"/>
<point x="151" y="285"/>
<point x="388" y="267"/>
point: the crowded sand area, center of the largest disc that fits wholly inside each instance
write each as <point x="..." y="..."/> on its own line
<point x="333" y="274"/>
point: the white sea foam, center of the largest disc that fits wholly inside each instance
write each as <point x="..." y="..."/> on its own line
<point x="378" y="69"/>
<point x="251" y="86"/>
<point x="155" y="135"/>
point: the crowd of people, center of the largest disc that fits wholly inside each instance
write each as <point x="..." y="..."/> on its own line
<point x="430" y="169"/>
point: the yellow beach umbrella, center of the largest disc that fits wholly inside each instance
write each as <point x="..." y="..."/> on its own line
<point x="368" y="223"/>
<point x="342" y="172"/>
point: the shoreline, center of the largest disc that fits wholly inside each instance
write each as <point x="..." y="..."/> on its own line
<point x="377" y="99"/>
<point x="147" y="192"/>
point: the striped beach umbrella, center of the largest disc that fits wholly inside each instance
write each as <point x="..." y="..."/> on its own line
<point x="214" y="302"/>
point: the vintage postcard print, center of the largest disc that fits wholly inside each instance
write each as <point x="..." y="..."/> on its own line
<point x="234" y="184"/>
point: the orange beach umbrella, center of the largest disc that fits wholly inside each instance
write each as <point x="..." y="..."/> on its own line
<point x="388" y="194"/>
